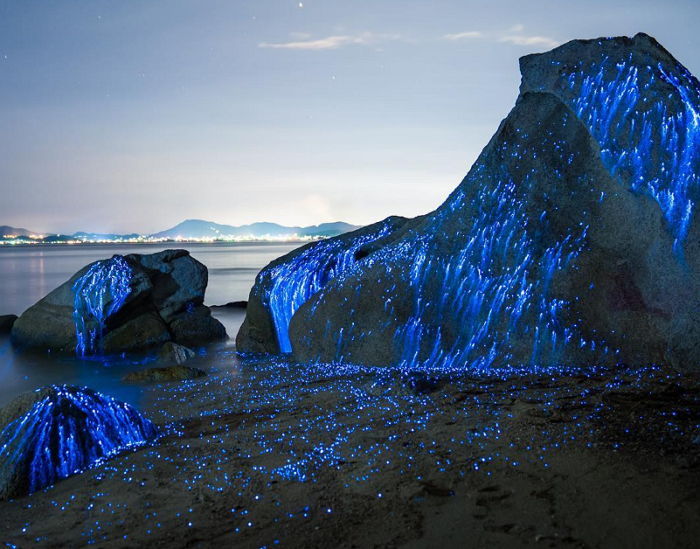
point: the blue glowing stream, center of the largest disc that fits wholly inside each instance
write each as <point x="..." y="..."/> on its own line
<point x="69" y="430"/>
<point x="99" y="293"/>
<point x="292" y="284"/>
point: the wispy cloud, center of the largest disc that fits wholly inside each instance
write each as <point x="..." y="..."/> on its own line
<point x="526" y="40"/>
<point x="331" y="42"/>
<point x="514" y="35"/>
<point x="463" y="35"/>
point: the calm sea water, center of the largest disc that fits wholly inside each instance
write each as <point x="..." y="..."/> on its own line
<point x="28" y="273"/>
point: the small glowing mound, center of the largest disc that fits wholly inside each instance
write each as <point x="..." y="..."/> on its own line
<point x="99" y="293"/>
<point x="67" y="430"/>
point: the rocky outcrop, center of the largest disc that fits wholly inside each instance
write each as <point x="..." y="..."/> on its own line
<point x="168" y="373"/>
<point x="573" y="239"/>
<point x="125" y="303"/>
<point x="6" y="323"/>
<point x="288" y="282"/>
<point x="58" y="431"/>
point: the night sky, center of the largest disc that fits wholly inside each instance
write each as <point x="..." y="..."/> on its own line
<point x="128" y="116"/>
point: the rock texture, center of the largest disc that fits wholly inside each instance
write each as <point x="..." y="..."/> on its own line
<point x="58" y="431"/>
<point x="125" y="303"/>
<point x="573" y="239"/>
<point x="172" y="353"/>
<point x="169" y="373"/>
<point x="6" y="323"/>
<point x="288" y="282"/>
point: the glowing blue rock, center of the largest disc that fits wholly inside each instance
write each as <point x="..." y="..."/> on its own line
<point x="287" y="283"/>
<point x="59" y="431"/>
<point x="125" y="303"/>
<point x="571" y="240"/>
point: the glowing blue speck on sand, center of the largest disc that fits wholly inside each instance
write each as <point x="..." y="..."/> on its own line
<point x="99" y="293"/>
<point x="69" y="430"/>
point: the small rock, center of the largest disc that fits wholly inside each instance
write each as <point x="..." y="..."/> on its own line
<point x="170" y="373"/>
<point x="172" y="352"/>
<point x="6" y="322"/>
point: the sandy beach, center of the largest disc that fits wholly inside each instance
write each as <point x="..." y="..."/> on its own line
<point x="265" y="453"/>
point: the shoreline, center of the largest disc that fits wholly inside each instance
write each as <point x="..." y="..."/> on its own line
<point x="264" y="451"/>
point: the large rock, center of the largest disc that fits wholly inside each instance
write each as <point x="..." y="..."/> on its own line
<point x="573" y="239"/>
<point x="125" y="303"/>
<point x="58" y="431"/>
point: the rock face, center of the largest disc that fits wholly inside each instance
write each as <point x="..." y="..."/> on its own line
<point x="125" y="303"/>
<point x="288" y="282"/>
<point x="6" y="323"/>
<point x="573" y="239"/>
<point x="58" y="431"/>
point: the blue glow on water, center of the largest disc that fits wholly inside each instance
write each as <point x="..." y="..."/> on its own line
<point x="293" y="283"/>
<point x="646" y="119"/>
<point x="69" y="430"/>
<point x="99" y="293"/>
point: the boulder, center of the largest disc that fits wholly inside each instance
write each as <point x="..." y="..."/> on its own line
<point x="572" y="240"/>
<point x="173" y="353"/>
<point x="168" y="373"/>
<point x="125" y="303"/>
<point x="58" y="431"/>
<point x="6" y="323"/>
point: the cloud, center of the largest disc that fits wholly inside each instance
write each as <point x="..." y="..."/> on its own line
<point x="525" y="40"/>
<point x="331" y="42"/>
<point x="463" y="35"/>
<point x="514" y="35"/>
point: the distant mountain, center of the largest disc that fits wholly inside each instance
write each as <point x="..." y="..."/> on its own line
<point x="198" y="229"/>
<point x="6" y="230"/>
<point x="92" y="237"/>
<point x="191" y="229"/>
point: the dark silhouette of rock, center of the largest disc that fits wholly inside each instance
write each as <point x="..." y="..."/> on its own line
<point x="167" y="373"/>
<point x="573" y="239"/>
<point x="58" y="431"/>
<point x="125" y="303"/>
<point x="6" y="323"/>
<point x="231" y="305"/>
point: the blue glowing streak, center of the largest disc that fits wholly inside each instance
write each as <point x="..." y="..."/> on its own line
<point x="293" y="283"/>
<point x="99" y="293"/>
<point x="647" y="142"/>
<point x="68" y="431"/>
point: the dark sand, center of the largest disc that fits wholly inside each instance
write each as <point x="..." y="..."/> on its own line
<point x="263" y="454"/>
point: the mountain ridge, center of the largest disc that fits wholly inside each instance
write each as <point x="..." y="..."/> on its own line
<point x="191" y="229"/>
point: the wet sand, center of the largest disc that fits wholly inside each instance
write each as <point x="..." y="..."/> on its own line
<point x="265" y="453"/>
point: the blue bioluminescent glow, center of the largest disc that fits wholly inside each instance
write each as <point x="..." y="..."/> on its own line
<point x="471" y="286"/>
<point x="646" y="119"/>
<point x="292" y="284"/>
<point x="99" y="293"/>
<point x="69" y="430"/>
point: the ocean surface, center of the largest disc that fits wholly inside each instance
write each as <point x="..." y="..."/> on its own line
<point x="28" y="273"/>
